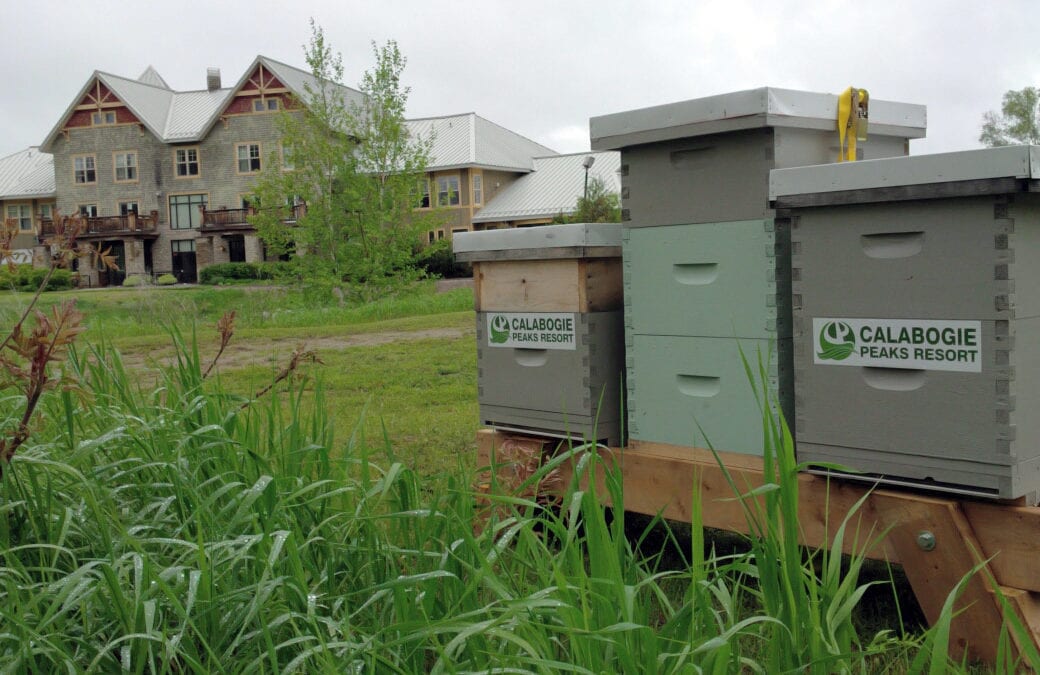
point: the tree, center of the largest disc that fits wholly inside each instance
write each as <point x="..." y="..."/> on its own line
<point x="599" y="205"/>
<point x="355" y="167"/>
<point x="1018" y="122"/>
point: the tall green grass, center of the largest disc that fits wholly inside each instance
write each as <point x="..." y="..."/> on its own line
<point x="174" y="530"/>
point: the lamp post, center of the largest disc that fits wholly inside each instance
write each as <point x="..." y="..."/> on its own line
<point x="587" y="163"/>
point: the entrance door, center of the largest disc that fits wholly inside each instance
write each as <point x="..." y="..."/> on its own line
<point x="185" y="267"/>
<point x="236" y="246"/>
<point x="113" y="277"/>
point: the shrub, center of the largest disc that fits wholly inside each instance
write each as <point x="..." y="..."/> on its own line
<point x="220" y="272"/>
<point x="166" y="280"/>
<point x="437" y="259"/>
<point x="29" y="278"/>
<point x="130" y="282"/>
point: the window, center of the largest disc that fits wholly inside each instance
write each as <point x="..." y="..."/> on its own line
<point x="287" y="159"/>
<point x="46" y="211"/>
<point x="431" y="236"/>
<point x="448" y="191"/>
<point x="88" y="210"/>
<point x="84" y="169"/>
<point x="126" y="166"/>
<point x="22" y="214"/>
<point x="478" y="188"/>
<point x="440" y="234"/>
<point x="183" y="245"/>
<point x="262" y="104"/>
<point x="126" y="208"/>
<point x="186" y="162"/>
<point x="248" y="157"/>
<point x="184" y="211"/>
<point x="103" y="118"/>
<point x="424" y="193"/>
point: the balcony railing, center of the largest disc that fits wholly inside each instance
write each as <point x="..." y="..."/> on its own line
<point x="219" y="219"/>
<point x="106" y="225"/>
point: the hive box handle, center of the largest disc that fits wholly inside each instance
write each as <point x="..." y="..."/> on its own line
<point x="530" y="358"/>
<point x="892" y="244"/>
<point x="701" y="386"/>
<point x="893" y="379"/>
<point x="695" y="274"/>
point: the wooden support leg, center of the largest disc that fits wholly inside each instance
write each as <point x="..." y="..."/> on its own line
<point x="937" y="548"/>
<point x="660" y="478"/>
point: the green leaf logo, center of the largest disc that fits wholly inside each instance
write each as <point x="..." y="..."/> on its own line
<point x="837" y="340"/>
<point x="499" y="329"/>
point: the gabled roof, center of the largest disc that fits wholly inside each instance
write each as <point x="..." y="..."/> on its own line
<point x="187" y="116"/>
<point x="469" y="140"/>
<point x="552" y="188"/>
<point x="151" y="76"/>
<point x="27" y="174"/>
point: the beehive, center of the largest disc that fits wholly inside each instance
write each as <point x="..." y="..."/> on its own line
<point x="550" y="335"/>
<point x="916" y="318"/>
<point x="706" y="263"/>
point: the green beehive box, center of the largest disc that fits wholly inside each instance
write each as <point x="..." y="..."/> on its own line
<point x="708" y="280"/>
<point x="693" y="391"/>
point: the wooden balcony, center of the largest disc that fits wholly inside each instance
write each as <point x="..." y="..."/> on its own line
<point x="238" y="219"/>
<point x="130" y="225"/>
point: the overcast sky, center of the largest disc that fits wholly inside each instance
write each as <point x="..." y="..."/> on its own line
<point x="542" y="68"/>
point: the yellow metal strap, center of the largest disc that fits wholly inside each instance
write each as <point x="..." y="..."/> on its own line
<point x="852" y="122"/>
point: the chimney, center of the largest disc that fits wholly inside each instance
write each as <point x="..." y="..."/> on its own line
<point x="213" y="79"/>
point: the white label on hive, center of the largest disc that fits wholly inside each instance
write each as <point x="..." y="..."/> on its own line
<point x="531" y="330"/>
<point x="899" y="343"/>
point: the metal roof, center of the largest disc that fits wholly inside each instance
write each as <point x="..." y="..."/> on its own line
<point x="552" y="188"/>
<point x="151" y="76"/>
<point x="763" y="107"/>
<point x="27" y="174"/>
<point x="186" y="116"/>
<point x="469" y="140"/>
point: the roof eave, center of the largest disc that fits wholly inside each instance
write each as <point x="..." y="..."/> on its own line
<point x="473" y="165"/>
<point x="498" y="218"/>
<point x="29" y="195"/>
<point x="46" y="145"/>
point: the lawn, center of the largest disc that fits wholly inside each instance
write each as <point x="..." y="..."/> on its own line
<point x="406" y="364"/>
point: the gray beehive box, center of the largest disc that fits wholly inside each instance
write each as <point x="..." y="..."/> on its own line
<point x="708" y="159"/>
<point x="705" y="263"/>
<point x="916" y="297"/>
<point x="550" y="336"/>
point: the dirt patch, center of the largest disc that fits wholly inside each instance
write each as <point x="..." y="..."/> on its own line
<point x="248" y="352"/>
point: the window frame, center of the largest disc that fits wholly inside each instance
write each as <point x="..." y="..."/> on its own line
<point x="170" y="209"/>
<point x="135" y="166"/>
<point x="287" y="163"/>
<point x="90" y="207"/>
<point x="187" y="163"/>
<point x="266" y="104"/>
<point x="21" y="207"/>
<point x="100" y="118"/>
<point x="448" y="192"/>
<point x="258" y="159"/>
<point x="477" y="189"/>
<point x="86" y="171"/>
<point x="50" y="211"/>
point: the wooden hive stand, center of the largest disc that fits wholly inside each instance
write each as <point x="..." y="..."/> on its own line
<point x="937" y="540"/>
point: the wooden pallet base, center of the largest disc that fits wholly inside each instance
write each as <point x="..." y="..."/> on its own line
<point x="1004" y="539"/>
